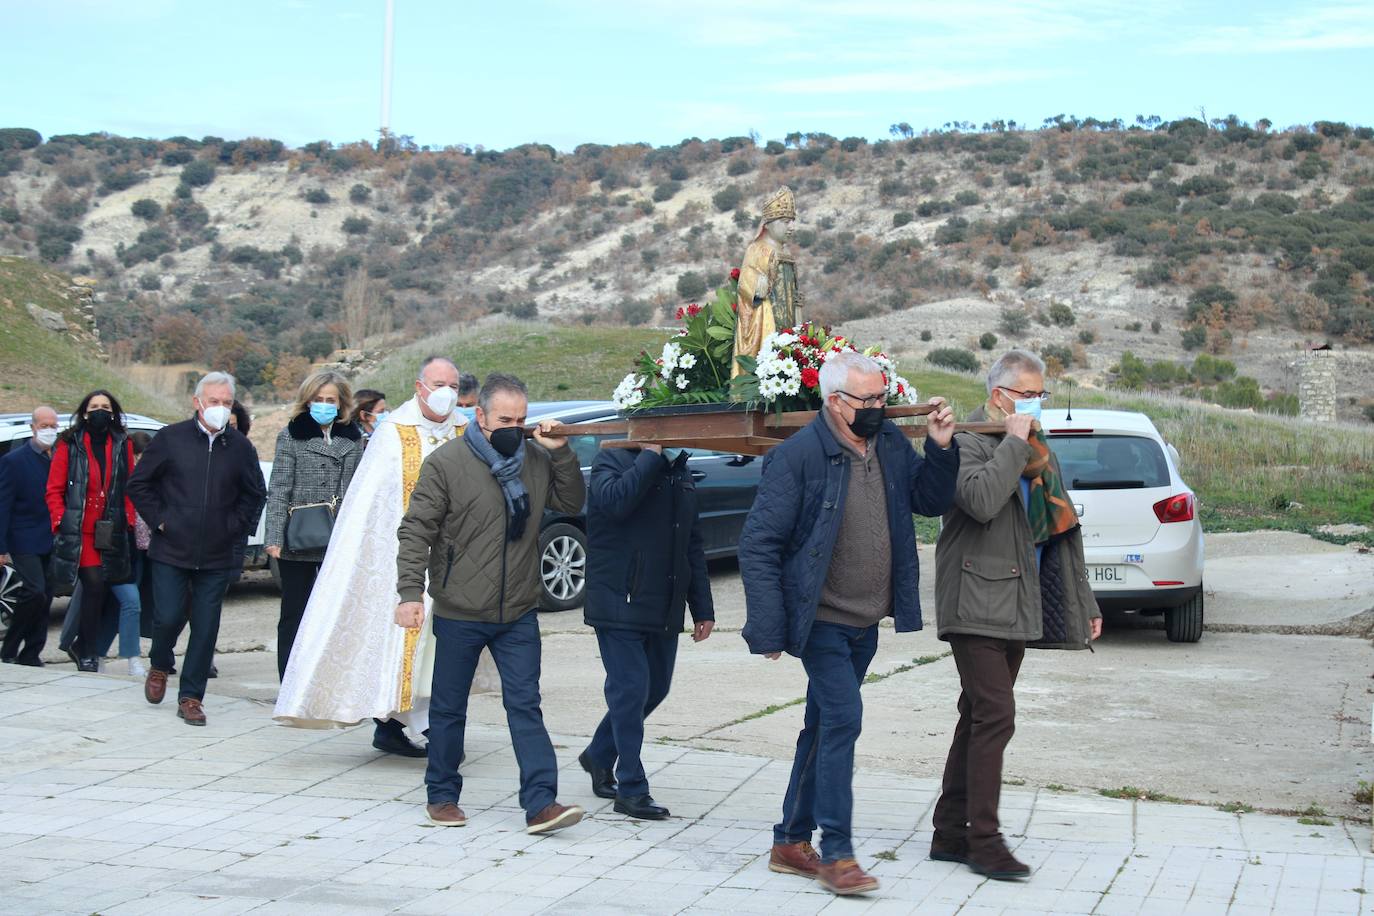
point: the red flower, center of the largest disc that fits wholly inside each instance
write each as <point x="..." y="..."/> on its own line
<point x="680" y="313"/>
<point x="901" y="389"/>
<point x="693" y="311"/>
<point x="734" y="274"/>
<point x="734" y="306"/>
<point x="810" y="378"/>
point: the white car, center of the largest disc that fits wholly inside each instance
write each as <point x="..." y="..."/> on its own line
<point x="14" y="431"/>
<point x="1141" y="533"/>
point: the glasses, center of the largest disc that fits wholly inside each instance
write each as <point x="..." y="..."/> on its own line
<point x="1026" y="395"/>
<point x="870" y="401"/>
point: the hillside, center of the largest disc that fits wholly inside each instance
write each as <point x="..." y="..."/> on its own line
<point x="1083" y="240"/>
<point x="48" y="353"/>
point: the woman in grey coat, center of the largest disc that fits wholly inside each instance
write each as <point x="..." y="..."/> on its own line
<point x="315" y="458"/>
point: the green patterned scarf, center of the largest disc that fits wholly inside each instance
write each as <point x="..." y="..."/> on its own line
<point x="1049" y="509"/>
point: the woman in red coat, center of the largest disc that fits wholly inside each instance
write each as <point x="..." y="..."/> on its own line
<point x="92" y="517"/>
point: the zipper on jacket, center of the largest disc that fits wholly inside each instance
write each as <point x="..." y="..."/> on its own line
<point x="448" y="569"/>
<point x="204" y="500"/>
<point x="501" y="603"/>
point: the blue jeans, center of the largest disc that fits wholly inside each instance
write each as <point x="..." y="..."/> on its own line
<point x="821" y="790"/>
<point x="639" y="670"/>
<point x="516" y="650"/>
<point x="170" y="587"/>
<point x="124" y="600"/>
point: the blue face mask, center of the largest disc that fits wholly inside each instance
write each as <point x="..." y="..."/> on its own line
<point x="469" y="412"/>
<point x="379" y="418"/>
<point x="1030" y="406"/>
<point x="323" y="413"/>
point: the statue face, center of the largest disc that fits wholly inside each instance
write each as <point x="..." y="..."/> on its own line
<point x="779" y="229"/>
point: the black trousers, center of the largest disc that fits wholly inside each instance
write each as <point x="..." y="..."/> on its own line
<point x="972" y="787"/>
<point x="28" y="630"/>
<point x="297" y="580"/>
<point x="94" y="589"/>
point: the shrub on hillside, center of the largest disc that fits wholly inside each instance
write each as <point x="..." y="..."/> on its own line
<point x="666" y="191"/>
<point x="727" y="198"/>
<point x="1014" y="321"/>
<point x="954" y="358"/>
<point x="120" y="181"/>
<point x="198" y="173"/>
<point x="150" y="282"/>
<point x="19" y="138"/>
<point x="635" y="312"/>
<point x="987" y="340"/>
<point x="317" y="196"/>
<point x="146" y="208"/>
<point x="740" y="165"/>
<point x="356" y="225"/>
<point x="1194" y="338"/>
<point x="359" y="194"/>
<point x="1061" y="314"/>
<point x="901" y="218"/>
<point x="177" y="157"/>
<point x="691" y="285"/>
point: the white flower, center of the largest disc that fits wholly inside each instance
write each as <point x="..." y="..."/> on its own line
<point x="686" y="361"/>
<point x="681" y="382"/>
<point x="629" y="392"/>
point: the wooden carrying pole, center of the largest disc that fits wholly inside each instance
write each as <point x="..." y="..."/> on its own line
<point x="738" y="431"/>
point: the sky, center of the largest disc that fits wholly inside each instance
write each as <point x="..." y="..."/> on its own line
<point x="565" y="72"/>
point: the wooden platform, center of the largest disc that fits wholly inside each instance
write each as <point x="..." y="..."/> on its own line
<point x="723" y="428"/>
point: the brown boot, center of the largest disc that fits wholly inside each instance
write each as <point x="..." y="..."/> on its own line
<point x="554" y="817"/>
<point x="945" y="848"/>
<point x="155" y="685"/>
<point x="446" y="814"/>
<point x="189" y="709"/>
<point x="794" y="859"/>
<point x="845" y="877"/>
<point x="997" y="863"/>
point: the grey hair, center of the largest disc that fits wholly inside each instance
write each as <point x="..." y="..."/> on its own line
<point x="498" y="383"/>
<point x="837" y="369"/>
<point x="1012" y="365"/>
<point x="420" y="376"/>
<point x="467" y="383"/>
<point x="217" y="378"/>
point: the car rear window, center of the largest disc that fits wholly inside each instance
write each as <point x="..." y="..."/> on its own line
<point x="1110" y="462"/>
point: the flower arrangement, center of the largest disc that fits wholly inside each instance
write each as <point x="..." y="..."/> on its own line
<point x="694" y="366"/>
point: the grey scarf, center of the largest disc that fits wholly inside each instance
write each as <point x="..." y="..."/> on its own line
<point x="507" y="474"/>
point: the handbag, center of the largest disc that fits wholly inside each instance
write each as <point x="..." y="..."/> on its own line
<point x="103" y="535"/>
<point x="308" y="527"/>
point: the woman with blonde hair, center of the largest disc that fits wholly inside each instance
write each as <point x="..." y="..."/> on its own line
<point x="316" y="455"/>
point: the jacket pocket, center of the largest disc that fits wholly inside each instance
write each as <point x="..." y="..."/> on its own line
<point x="989" y="591"/>
<point x="632" y="576"/>
<point x="448" y="568"/>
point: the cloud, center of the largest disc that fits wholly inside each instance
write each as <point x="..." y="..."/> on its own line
<point x="1334" y="27"/>
<point x="913" y="82"/>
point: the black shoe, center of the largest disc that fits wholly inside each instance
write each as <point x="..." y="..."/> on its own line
<point x="7" y="661"/>
<point x="71" y="653"/>
<point x="213" y="672"/>
<point x="949" y="849"/>
<point x="603" y="780"/>
<point x="998" y="864"/>
<point x="641" y="807"/>
<point x="394" y="741"/>
<point x="88" y="665"/>
<point x="29" y="662"/>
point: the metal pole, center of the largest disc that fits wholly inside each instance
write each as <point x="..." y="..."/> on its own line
<point x="387" y="43"/>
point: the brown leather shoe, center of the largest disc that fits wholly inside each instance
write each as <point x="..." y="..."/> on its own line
<point x="446" y="814"/>
<point x="554" y="817"/>
<point x="945" y="848"/>
<point x="845" y="877"/>
<point x="189" y="709"/>
<point x="998" y="864"/>
<point x="794" y="859"/>
<point x="155" y="685"/>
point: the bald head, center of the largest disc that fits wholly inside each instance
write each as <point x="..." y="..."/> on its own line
<point x="43" y="418"/>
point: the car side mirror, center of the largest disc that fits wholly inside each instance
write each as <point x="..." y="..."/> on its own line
<point x="740" y="461"/>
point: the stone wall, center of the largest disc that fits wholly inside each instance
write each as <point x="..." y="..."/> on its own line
<point x="1317" y="386"/>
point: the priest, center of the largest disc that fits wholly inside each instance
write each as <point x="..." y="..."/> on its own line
<point x="350" y="661"/>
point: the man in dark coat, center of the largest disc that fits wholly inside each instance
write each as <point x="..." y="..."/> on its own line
<point x="645" y="565"/>
<point x="199" y="487"/>
<point x="26" y="538"/>
<point x="827" y="552"/>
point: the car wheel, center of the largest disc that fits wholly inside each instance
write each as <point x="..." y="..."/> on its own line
<point x="562" y="567"/>
<point x="276" y="572"/>
<point x="1184" y="623"/>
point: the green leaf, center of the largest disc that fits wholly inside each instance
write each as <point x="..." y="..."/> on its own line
<point x="722" y="313"/>
<point x="748" y="363"/>
<point x="719" y="333"/>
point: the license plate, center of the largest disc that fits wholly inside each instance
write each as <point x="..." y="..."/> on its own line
<point x="1115" y="575"/>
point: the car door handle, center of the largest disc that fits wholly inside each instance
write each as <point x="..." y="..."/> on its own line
<point x="698" y="475"/>
<point x="1078" y="509"/>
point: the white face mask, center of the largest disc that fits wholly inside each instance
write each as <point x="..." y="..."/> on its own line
<point x="441" y="401"/>
<point x="46" y="437"/>
<point x="216" y="417"/>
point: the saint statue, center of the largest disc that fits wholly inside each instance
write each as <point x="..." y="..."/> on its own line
<point x="768" y="296"/>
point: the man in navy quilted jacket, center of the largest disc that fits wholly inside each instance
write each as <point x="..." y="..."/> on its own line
<point x="827" y="552"/>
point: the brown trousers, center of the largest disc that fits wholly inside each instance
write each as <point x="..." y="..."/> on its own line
<point x="972" y="788"/>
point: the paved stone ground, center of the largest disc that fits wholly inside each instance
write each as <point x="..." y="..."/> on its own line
<point x="109" y="805"/>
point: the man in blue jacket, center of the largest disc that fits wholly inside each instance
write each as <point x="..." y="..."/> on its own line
<point x="645" y="563"/>
<point x="827" y="552"/>
<point x="26" y="537"/>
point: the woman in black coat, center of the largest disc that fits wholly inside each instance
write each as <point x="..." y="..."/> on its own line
<point x="314" y="462"/>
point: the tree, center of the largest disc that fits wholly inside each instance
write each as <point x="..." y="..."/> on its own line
<point x="691" y="285"/>
<point x="727" y="198"/>
<point x="317" y="196"/>
<point x="902" y="130"/>
<point x="356" y="225"/>
<point x="179" y="338"/>
<point x="359" y="193"/>
<point x="19" y="138"/>
<point x="146" y="208"/>
<point x="198" y="173"/>
<point x="362" y="311"/>
<point x="954" y="358"/>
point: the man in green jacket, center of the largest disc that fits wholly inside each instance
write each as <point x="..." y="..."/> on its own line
<point x="472" y="526"/>
<point x="1009" y="572"/>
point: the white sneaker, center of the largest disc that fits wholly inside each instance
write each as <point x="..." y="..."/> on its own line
<point x="136" y="667"/>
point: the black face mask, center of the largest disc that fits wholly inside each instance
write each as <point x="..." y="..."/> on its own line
<point x="98" y="421"/>
<point x="867" y="421"/>
<point x="506" y="440"/>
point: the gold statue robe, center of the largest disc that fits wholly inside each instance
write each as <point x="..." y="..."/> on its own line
<point x="778" y="308"/>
